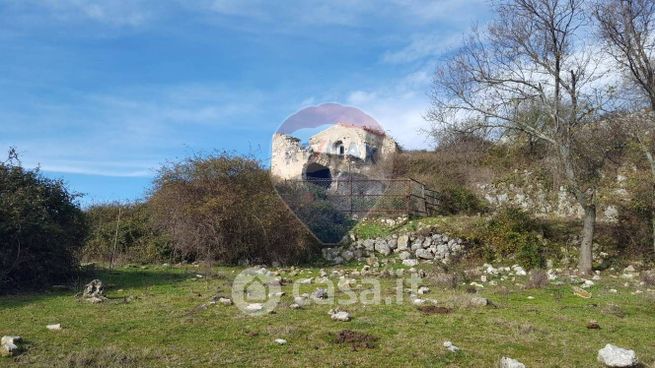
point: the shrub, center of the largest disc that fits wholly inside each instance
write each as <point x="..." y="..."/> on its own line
<point x="460" y="200"/>
<point x="137" y="239"/>
<point x="42" y="229"/>
<point x="224" y="208"/>
<point x="513" y="234"/>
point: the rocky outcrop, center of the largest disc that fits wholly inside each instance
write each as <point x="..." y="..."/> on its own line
<point x="409" y="248"/>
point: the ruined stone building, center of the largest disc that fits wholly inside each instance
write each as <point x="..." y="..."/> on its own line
<point x="341" y="151"/>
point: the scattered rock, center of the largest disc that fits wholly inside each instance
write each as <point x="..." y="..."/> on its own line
<point x="506" y="362"/>
<point x="478" y="301"/>
<point x="8" y="345"/>
<point x="382" y="247"/>
<point x="280" y="341"/>
<point x="450" y="346"/>
<point x="582" y="293"/>
<point x="321" y="293"/>
<point x="410" y="262"/>
<point x="55" y="327"/>
<point x="614" y="356"/>
<point x="93" y="292"/>
<point x="254" y="307"/>
<point x="423" y="290"/>
<point x="295" y="306"/>
<point x="424" y="254"/>
<point x="225" y="301"/>
<point x="341" y="316"/>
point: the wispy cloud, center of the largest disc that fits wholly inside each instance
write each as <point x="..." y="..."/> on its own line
<point x="423" y="46"/>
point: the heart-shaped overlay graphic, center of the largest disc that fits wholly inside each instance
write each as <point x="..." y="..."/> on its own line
<point x="332" y="166"/>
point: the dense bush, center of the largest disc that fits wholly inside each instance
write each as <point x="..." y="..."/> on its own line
<point x="511" y="234"/>
<point x="42" y="230"/>
<point x="129" y="228"/>
<point x="224" y="208"/>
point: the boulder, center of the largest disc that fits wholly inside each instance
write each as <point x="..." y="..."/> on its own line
<point x="506" y="362"/>
<point x="369" y="245"/>
<point x="393" y="243"/>
<point x="93" y="292"/>
<point x="8" y="345"/>
<point x="341" y="316"/>
<point x="403" y="243"/>
<point x="404" y="255"/>
<point x="254" y="307"/>
<point x="410" y="262"/>
<point x="382" y="247"/>
<point x="424" y="254"/>
<point x="321" y="293"/>
<point x="442" y="251"/>
<point x="478" y="301"/>
<point x="614" y="356"/>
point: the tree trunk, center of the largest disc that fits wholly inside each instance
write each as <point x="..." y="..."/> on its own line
<point x="652" y="220"/>
<point x="588" y="227"/>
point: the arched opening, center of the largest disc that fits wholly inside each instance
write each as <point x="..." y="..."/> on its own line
<point x="339" y="148"/>
<point x="318" y="175"/>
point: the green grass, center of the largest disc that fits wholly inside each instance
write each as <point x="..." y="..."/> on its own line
<point x="162" y="326"/>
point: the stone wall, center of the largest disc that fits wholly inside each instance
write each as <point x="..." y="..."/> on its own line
<point x="523" y="189"/>
<point x="409" y="248"/>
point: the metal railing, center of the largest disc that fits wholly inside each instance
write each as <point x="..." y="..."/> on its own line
<point x="370" y="197"/>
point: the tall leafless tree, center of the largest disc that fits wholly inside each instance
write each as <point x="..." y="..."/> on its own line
<point x="628" y="29"/>
<point x="532" y="58"/>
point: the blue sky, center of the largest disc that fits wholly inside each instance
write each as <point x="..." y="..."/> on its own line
<point x="101" y="93"/>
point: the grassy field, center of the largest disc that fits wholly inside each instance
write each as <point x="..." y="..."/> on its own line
<point x="155" y="318"/>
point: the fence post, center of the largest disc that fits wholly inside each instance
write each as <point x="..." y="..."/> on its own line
<point x="351" y="195"/>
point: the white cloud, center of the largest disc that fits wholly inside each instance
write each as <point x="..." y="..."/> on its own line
<point x="399" y="109"/>
<point x="422" y="46"/>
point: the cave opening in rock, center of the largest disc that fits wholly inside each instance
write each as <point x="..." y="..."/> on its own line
<point x="318" y="175"/>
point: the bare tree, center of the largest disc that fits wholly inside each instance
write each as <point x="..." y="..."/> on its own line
<point x="628" y="29"/>
<point x="532" y="60"/>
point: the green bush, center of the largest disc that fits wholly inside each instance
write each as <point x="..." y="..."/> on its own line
<point x="129" y="227"/>
<point x="513" y="234"/>
<point x="42" y="229"/>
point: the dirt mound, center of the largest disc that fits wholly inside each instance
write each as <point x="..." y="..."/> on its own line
<point x="357" y="340"/>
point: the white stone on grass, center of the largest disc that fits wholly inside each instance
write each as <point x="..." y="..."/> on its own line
<point x="450" y="346"/>
<point x="506" y="362"/>
<point x="341" y="316"/>
<point x="280" y="341"/>
<point x="54" y="327"/>
<point x="254" y="307"/>
<point x="614" y="356"/>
